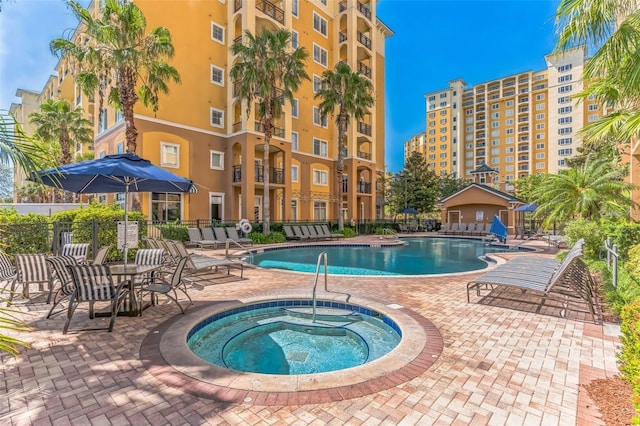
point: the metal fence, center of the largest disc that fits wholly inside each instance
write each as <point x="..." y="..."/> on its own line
<point x="49" y="237"/>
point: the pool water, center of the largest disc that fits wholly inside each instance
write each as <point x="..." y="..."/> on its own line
<point x="278" y="340"/>
<point x="420" y="256"/>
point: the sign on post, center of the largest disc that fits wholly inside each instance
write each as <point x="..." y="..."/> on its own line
<point x="132" y="235"/>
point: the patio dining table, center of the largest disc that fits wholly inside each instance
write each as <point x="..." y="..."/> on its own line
<point x="130" y="272"/>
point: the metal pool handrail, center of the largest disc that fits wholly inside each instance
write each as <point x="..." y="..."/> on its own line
<point x="315" y="281"/>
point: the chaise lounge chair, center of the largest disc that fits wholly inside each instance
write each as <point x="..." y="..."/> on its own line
<point x="195" y="237"/>
<point x="233" y="234"/>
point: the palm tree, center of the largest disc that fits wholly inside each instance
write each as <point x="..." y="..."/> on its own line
<point x="267" y="69"/>
<point x="57" y="121"/>
<point x="115" y="55"/>
<point x="592" y="190"/>
<point x="16" y="148"/>
<point x="352" y="95"/>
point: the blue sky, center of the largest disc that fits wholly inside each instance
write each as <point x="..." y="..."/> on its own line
<point x="433" y="42"/>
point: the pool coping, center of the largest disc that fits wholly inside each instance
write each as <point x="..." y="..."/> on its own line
<point x="166" y="356"/>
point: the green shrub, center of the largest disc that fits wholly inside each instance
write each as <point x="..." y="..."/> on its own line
<point x="272" y="238"/>
<point x="347" y="232"/>
<point x="173" y="231"/>
<point x="592" y="233"/>
<point x="629" y="356"/>
<point x="27" y="233"/>
<point x="624" y="234"/>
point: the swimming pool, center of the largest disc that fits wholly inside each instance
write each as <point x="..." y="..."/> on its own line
<point x="284" y="338"/>
<point x="419" y="256"/>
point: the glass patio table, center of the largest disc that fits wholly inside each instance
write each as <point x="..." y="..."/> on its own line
<point x="130" y="272"/>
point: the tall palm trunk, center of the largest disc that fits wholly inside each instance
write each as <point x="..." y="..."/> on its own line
<point x="342" y="130"/>
<point x="128" y="99"/>
<point x="268" y="130"/>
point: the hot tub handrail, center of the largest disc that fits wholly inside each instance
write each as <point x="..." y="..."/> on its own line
<point x="321" y="256"/>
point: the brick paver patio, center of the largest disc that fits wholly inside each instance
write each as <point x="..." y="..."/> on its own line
<point x="498" y="365"/>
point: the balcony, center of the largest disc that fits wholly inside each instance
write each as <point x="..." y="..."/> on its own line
<point x="364" y="155"/>
<point x="523" y="158"/>
<point x="361" y="188"/>
<point x="364" y="128"/>
<point x="342" y="36"/>
<point x="270" y="10"/>
<point x="364" y="69"/>
<point x="343" y="6"/>
<point x="277" y="131"/>
<point x="523" y="148"/>
<point x="276" y="176"/>
<point x="364" y="9"/>
<point x="363" y="39"/>
<point x="237" y="5"/>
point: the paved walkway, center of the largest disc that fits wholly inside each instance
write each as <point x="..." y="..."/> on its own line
<point x="498" y="366"/>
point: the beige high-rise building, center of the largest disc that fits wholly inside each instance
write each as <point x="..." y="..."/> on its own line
<point x="520" y="124"/>
<point x="202" y="130"/>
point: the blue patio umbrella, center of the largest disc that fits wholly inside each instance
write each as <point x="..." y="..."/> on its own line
<point x="115" y="173"/>
<point x="498" y="229"/>
<point x="409" y="210"/>
<point x="526" y="208"/>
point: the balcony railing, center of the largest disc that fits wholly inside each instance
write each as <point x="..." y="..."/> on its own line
<point x="277" y="131"/>
<point x="366" y="41"/>
<point x="361" y="187"/>
<point x="237" y="5"/>
<point x="364" y="155"/>
<point x="275" y="175"/>
<point x="270" y="10"/>
<point x="342" y="36"/>
<point x="343" y="6"/>
<point x="364" y="9"/>
<point x="364" y="128"/>
<point x="364" y="69"/>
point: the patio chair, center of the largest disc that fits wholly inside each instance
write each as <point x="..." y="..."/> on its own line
<point x="462" y="228"/>
<point x="203" y="264"/>
<point x="297" y="230"/>
<point x="170" y="247"/>
<point x="445" y="228"/>
<point x="7" y="270"/>
<point x="31" y="269"/>
<point x="288" y="233"/>
<point x="471" y="229"/>
<point x="571" y="278"/>
<point x="453" y="229"/>
<point x="101" y="255"/>
<point x="167" y="287"/>
<point x="93" y="283"/>
<point x="220" y="234"/>
<point x="210" y="235"/>
<point x="195" y="237"/>
<point x="311" y="230"/>
<point x="78" y="250"/>
<point x="326" y="230"/>
<point x="61" y="280"/>
<point x="233" y="234"/>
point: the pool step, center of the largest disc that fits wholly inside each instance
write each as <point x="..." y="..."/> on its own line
<point x="324" y="314"/>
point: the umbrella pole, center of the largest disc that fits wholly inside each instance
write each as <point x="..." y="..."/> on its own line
<point x="126" y="219"/>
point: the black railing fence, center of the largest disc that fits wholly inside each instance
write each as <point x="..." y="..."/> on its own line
<point x="49" y="237"/>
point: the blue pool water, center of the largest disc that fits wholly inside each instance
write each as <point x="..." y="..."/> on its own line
<point x="420" y="256"/>
<point x="284" y="340"/>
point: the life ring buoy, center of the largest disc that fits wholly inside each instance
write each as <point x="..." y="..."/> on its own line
<point x="245" y="226"/>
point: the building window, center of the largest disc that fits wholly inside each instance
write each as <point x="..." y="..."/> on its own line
<point x="565" y="109"/>
<point x="564" y="78"/>
<point x="217" y="117"/>
<point x="102" y="154"/>
<point x="294" y="141"/>
<point x="540" y="97"/>
<point x="120" y="148"/>
<point x="564" y="99"/>
<point x="317" y="84"/>
<point x="319" y="147"/>
<point x="294" y="108"/>
<point x="539" y="166"/>
<point x="217" y="32"/>
<point x="217" y="160"/>
<point x="318" y="118"/>
<point x="565" y="151"/>
<point x="539" y="116"/>
<point x="563" y="68"/>
<point x="564" y="89"/>
<point x="319" y="24"/>
<point x="319" y="55"/>
<point x="319" y="177"/>
<point x="120" y="116"/>
<point x="217" y="75"/>
<point x="166" y="206"/>
<point x="564" y="120"/>
<point x="103" y="121"/>
<point x="539" y="107"/>
<point x="169" y="155"/>
<point x="509" y="103"/>
<point x="592" y="118"/>
<point x="294" y="173"/>
<point x="539" y="155"/>
<point x="320" y="211"/>
<point x="539" y="146"/>
<point x="565" y="141"/>
<point x="294" y="7"/>
<point x="294" y="40"/>
<point x="593" y="107"/>
<point x="539" y="126"/>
